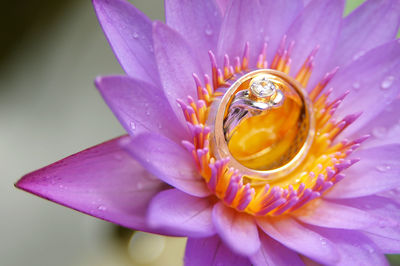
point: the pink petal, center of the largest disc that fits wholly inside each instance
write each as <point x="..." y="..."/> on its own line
<point x="377" y="171"/>
<point x="176" y="63"/>
<point x="301" y="239"/>
<point x="168" y="161"/>
<point x="237" y="230"/>
<point x="354" y="248"/>
<point x="317" y="25"/>
<point x="176" y="211"/>
<point x="211" y="251"/>
<point x="255" y="22"/>
<point x="373" y="81"/>
<point x="140" y="107"/>
<point x="334" y="215"/>
<point x="223" y="5"/>
<point x="103" y="181"/>
<point x="274" y="253"/>
<point x="372" y="24"/>
<point x="129" y="33"/>
<point x="198" y="22"/>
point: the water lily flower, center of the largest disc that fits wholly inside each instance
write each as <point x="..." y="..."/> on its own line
<point x="339" y="205"/>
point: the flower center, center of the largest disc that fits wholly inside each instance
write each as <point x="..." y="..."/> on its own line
<point x="262" y="144"/>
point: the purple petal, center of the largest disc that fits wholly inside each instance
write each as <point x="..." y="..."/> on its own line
<point x="334" y="215"/>
<point x="198" y="22"/>
<point x="280" y="15"/>
<point x="373" y="81"/>
<point x="377" y="171"/>
<point x="223" y="5"/>
<point x="211" y="251"/>
<point x="140" y="107"/>
<point x="168" y="161"/>
<point x="388" y="244"/>
<point x="387" y="232"/>
<point x="129" y="33"/>
<point x="274" y="253"/>
<point x="354" y="247"/>
<point x="372" y="24"/>
<point x="256" y="22"/>
<point x="301" y="239"/>
<point x="386" y="129"/>
<point x="176" y="63"/>
<point x="176" y="211"/>
<point x="103" y="181"/>
<point x="384" y="208"/>
<point x="317" y="25"/>
<point x="237" y="230"/>
<point x="242" y="23"/>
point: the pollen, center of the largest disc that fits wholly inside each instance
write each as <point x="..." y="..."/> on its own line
<point x="321" y="167"/>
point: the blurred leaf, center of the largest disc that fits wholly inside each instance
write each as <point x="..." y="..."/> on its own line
<point x="394" y="259"/>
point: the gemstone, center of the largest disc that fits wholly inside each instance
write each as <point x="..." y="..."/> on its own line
<point x="262" y="87"/>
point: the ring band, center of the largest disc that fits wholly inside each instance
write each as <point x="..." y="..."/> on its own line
<point x="242" y="103"/>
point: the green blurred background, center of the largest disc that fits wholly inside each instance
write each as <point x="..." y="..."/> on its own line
<point x="50" y="52"/>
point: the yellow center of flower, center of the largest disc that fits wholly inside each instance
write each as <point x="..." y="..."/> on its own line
<point x="299" y="129"/>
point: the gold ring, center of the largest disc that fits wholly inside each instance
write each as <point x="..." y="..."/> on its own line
<point x="263" y="123"/>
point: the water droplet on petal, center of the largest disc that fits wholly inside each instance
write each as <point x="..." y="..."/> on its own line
<point x="208" y="30"/>
<point x="370" y="249"/>
<point x="379" y="132"/>
<point x="387" y="82"/>
<point x="358" y="55"/>
<point x="133" y="126"/>
<point x="135" y="35"/>
<point x="356" y="86"/>
<point x="102" y="208"/>
<point x="383" y="168"/>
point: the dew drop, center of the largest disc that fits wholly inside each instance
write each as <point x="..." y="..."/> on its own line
<point x="135" y="35"/>
<point x="356" y="86"/>
<point x="323" y="241"/>
<point x="379" y="132"/>
<point x="208" y="30"/>
<point x="383" y="168"/>
<point x="358" y="55"/>
<point x="133" y="126"/>
<point x="382" y="224"/>
<point x="147" y="112"/>
<point x="387" y="82"/>
<point x="370" y="250"/>
<point x="102" y="208"/>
